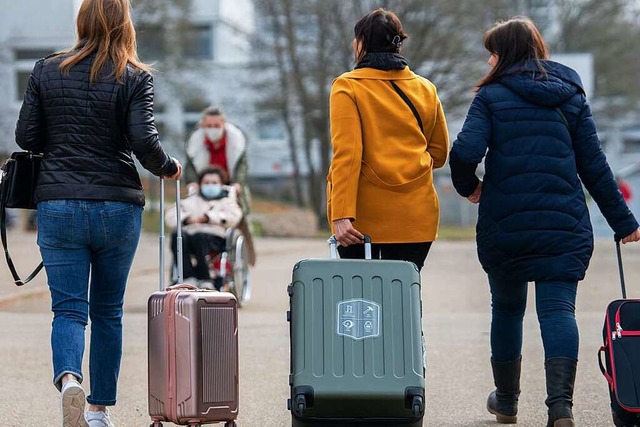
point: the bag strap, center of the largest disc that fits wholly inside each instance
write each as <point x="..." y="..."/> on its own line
<point x="620" y="269"/>
<point x="564" y="118"/>
<point x="12" y="268"/>
<point x="603" y="349"/>
<point x="565" y="121"/>
<point x="406" y="99"/>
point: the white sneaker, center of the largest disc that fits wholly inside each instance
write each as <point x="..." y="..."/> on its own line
<point x="99" y="419"/>
<point x="72" y="402"/>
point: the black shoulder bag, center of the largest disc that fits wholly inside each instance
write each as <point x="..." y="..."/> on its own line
<point x="17" y="187"/>
<point x="406" y="99"/>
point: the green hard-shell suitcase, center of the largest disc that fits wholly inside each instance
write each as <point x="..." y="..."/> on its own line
<point x="357" y="348"/>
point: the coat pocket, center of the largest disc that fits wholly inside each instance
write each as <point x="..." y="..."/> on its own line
<point x="404" y="187"/>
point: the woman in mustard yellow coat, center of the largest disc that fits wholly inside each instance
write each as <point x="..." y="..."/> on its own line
<point x="388" y="133"/>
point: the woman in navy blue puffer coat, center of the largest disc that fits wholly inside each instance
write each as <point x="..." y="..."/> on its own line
<point x="531" y="120"/>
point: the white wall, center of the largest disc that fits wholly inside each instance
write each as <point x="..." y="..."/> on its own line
<point x="225" y="81"/>
<point x="582" y="63"/>
<point x="232" y="39"/>
<point x="206" y="9"/>
<point x="41" y="21"/>
<point x="233" y="20"/>
<point x="28" y="24"/>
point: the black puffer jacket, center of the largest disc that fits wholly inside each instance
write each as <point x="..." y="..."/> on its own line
<point x="88" y="132"/>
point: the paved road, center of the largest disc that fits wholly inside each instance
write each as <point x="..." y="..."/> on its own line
<point x="456" y="323"/>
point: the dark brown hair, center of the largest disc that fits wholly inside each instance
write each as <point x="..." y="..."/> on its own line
<point x="215" y="170"/>
<point x="513" y="41"/>
<point x="105" y="27"/>
<point x="379" y="31"/>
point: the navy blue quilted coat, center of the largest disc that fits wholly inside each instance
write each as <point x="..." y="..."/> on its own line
<point x="540" y="143"/>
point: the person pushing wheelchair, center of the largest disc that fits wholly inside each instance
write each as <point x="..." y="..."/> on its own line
<point x="215" y="142"/>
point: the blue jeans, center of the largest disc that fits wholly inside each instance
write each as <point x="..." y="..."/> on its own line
<point x="87" y="248"/>
<point x="555" y="306"/>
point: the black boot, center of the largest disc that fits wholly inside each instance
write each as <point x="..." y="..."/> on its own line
<point x="503" y="401"/>
<point x="561" y="376"/>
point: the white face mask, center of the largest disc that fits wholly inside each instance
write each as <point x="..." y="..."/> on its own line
<point x="214" y="134"/>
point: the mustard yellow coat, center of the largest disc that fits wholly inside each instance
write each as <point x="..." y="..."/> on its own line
<point x="381" y="174"/>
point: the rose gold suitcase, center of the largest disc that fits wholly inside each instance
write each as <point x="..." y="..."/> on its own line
<point x="193" y="350"/>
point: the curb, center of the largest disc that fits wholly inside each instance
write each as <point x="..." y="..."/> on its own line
<point x="13" y="299"/>
<point x="9" y="300"/>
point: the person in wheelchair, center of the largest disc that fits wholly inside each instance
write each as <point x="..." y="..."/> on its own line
<point x="206" y="216"/>
<point x="216" y="142"/>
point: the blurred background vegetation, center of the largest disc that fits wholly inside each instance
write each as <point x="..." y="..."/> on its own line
<point x="270" y="65"/>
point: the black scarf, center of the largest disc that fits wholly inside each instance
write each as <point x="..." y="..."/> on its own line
<point x="385" y="61"/>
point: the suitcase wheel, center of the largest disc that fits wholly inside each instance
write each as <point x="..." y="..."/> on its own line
<point x="157" y="424"/>
<point x="301" y="404"/>
<point x="303" y="400"/>
<point x="230" y="424"/>
<point x="417" y="406"/>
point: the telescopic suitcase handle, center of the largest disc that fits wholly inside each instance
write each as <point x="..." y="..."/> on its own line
<point x="333" y="244"/>
<point x="620" y="269"/>
<point x="179" y="232"/>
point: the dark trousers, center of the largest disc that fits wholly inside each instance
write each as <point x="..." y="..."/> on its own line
<point x="414" y="252"/>
<point x="196" y="247"/>
<point x="555" y="306"/>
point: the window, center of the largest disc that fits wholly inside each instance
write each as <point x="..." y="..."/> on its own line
<point x="271" y="127"/>
<point x="22" y="79"/>
<point x="32" y="54"/>
<point x="158" y="107"/>
<point x="195" y="106"/>
<point x="162" y="130"/>
<point x="190" y="126"/>
<point x="197" y="42"/>
<point x="632" y="146"/>
<point x="150" y="43"/>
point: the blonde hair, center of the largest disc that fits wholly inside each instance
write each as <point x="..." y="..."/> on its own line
<point x="212" y="111"/>
<point x="105" y="28"/>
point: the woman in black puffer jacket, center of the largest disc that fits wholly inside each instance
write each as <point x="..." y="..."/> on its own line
<point x="89" y="110"/>
<point x="531" y="119"/>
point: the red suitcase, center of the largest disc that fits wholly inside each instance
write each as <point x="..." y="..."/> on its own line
<point x="621" y="351"/>
<point x="193" y="350"/>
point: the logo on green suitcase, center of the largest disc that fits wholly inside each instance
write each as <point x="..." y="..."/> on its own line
<point x="359" y="318"/>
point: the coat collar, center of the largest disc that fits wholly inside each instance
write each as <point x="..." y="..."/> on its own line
<point x="236" y="147"/>
<point x="373" y="74"/>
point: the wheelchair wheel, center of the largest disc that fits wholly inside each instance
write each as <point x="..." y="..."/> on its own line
<point x="239" y="284"/>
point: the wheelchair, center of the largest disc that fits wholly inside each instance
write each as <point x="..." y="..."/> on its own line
<point x="232" y="266"/>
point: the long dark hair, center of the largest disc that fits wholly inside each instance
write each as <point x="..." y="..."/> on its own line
<point x="379" y="31"/>
<point x="513" y="41"/>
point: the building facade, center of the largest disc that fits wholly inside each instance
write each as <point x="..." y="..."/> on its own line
<point x="203" y="56"/>
<point x="29" y="30"/>
<point x="212" y="66"/>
